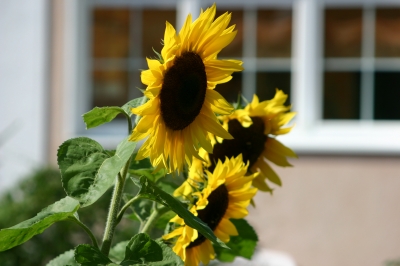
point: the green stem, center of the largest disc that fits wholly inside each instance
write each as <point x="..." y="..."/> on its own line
<point x="112" y="219"/>
<point x="153" y="218"/>
<point x="130" y="127"/>
<point x="87" y="230"/>
<point x="112" y="215"/>
<point x="126" y="206"/>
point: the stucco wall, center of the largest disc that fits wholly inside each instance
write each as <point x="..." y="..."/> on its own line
<point x="333" y="211"/>
<point x="23" y="88"/>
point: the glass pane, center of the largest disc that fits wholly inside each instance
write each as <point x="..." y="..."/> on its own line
<point x="341" y="95"/>
<point x="110" y="33"/>
<point x="274" y="33"/>
<point x="343" y="29"/>
<point x="153" y="29"/>
<point x="387" y="28"/>
<point x="268" y="82"/>
<point x="232" y="88"/>
<point x="110" y="88"/>
<point x="135" y="84"/>
<point x="387" y="95"/>
<point x="234" y="49"/>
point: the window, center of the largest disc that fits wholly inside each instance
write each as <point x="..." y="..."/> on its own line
<point x="339" y="60"/>
<point x="362" y="74"/>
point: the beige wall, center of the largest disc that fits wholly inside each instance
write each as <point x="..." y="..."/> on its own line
<point x="333" y="211"/>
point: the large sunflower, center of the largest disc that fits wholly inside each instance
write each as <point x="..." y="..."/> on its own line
<point x="182" y="102"/>
<point x="254" y="129"/>
<point x="225" y="194"/>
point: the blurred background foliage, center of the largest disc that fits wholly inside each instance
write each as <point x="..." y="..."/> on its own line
<point x="37" y="191"/>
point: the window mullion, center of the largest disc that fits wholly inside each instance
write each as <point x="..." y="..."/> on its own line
<point x="306" y="69"/>
<point x="249" y="52"/>
<point x="367" y="64"/>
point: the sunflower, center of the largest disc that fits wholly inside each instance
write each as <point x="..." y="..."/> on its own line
<point x="254" y="129"/>
<point x="182" y="102"/>
<point x="225" y="194"/>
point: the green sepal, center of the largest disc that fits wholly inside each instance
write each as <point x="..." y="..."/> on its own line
<point x="87" y="171"/>
<point x="149" y="190"/>
<point x="67" y="258"/>
<point x="242" y="245"/>
<point x="141" y="249"/>
<point x="22" y="232"/>
<point x="88" y="255"/>
<point x="101" y="115"/>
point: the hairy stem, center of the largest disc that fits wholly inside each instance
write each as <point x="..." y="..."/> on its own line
<point x="112" y="215"/>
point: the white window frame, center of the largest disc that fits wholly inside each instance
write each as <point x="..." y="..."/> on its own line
<point x="311" y="134"/>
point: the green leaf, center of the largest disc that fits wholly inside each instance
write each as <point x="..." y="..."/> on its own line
<point x="133" y="104"/>
<point x="88" y="255"/>
<point x="87" y="170"/>
<point x="169" y="257"/>
<point x="22" y="232"/>
<point x="67" y="258"/>
<point x="152" y="192"/>
<point x="144" y="168"/>
<point x="101" y="115"/>
<point x="142" y="209"/>
<point x="164" y="219"/>
<point x="242" y="245"/>
<point x="117" y="252"/>
<point x="167" y="186"/>
<point x="142" y="249"/>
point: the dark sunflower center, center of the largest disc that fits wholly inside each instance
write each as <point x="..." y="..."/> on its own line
<point x="183" y="91"/>
<point x="247" y="141"/>
<point x="213" y="212"/>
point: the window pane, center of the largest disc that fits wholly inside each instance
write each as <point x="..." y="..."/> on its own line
<point x="110" y="33"/>
<point x="232" y="88"/>
<point x="341" y="95"/>
<point x="387" y="95"/>
<point x="135" y="84"/>
<point x="268" y="82"/>
<point x="343" y="29"/>
<point x="274" y="33"/>
<point x="110" y="88"/>
<point x="153" y="29"/>
<point x="234" y="49"/>
<point x="387" y="28"/>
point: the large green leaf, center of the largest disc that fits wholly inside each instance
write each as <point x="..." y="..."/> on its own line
<point x="67" y="258"/>
<point x="88" y="255"/>
<point x="87" y="170"/>
<point x="142" y="249"/>
<point x="149" y="190"/>
<point x="101" y="115"/>
<point x="132" y="104"/>
<point x="22" y="232"/>
<point x="242" y="245"/>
